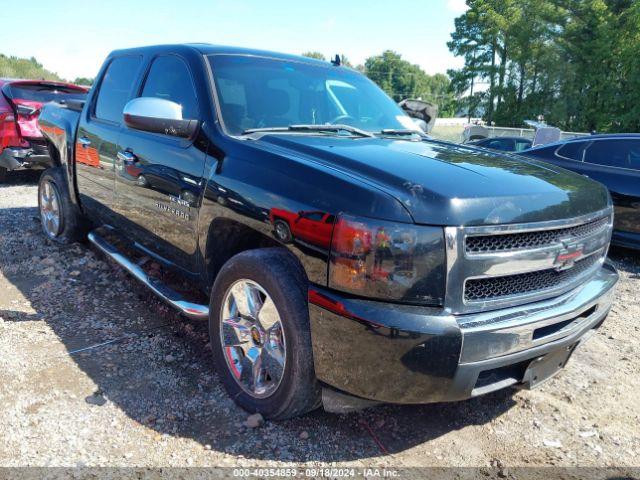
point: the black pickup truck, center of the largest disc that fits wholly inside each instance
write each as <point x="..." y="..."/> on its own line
<point x="348" y="258"/>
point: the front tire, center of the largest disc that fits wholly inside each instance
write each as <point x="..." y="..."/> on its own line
<point x="3" y="174"/>
<point x="260" y="335"/>
<point x="61" y="221"/>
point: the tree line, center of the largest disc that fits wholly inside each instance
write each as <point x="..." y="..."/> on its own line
<point x="401" y="79"/>
<point x="575" y="62"/>
<point x="14" y="67"/>
<point x="30" y="68"/>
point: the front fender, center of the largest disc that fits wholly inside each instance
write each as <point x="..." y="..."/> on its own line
<point x="249" y="185"/>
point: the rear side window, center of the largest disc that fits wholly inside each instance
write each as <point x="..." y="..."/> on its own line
<point x="572" y="151"/>
<point x="169" y="78"/>
<point x="614" y="153"/>
<point x="634" y="156"/>
<point x="522" y="145"/>
<point x="115" y="88"/>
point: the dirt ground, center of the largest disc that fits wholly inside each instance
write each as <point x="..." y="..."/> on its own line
<point x="96" y="372"/>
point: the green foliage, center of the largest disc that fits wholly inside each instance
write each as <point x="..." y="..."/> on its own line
<point x="401" y="80"/>
<point x="84" y="81"/>
<point x="14" y="67"/>
<point x="574" y="61"/>
<point x="319" y="56"/>
<point x="316" y="55"/>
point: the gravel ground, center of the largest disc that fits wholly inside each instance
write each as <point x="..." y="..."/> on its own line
<point x="96" y="372"/>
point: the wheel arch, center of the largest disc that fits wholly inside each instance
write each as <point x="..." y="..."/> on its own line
<point x="227" y="237"/>
<point x="54" y="154"/>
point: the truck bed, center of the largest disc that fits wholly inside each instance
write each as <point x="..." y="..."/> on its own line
<point x="58" y="123"/>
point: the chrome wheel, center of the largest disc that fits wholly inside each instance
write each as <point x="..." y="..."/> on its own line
<point x="252" y="338"/>
<point x="282" y="231"/>
<point x="50" y="210"/>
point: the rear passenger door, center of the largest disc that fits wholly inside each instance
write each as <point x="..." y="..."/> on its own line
<point x="616" y="163"/>
<point x="97" y="137"/>
<point x="159" y="177"/>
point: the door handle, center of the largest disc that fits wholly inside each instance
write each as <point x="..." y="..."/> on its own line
<point x="84" y="141"/>
<point x="127" y="156"/>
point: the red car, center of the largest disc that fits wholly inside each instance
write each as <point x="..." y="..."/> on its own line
<point x="21" y="143"/>
<point x="313" y="228"/>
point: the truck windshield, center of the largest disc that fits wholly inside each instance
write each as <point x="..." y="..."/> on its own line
<point x="262" y="93"/>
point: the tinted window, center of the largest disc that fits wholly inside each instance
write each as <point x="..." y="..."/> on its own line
<point x="572" y="151"/>
<point x="522" y="145"/>
<point x="115" y="88"/>
<point x="634" y="156"/>
<point x="259" y="92"/>
<point x="614" y="153"/>
<point x="315" y="216"/>
<point x="44" y="92"/>
<point x="169" y="78"/>
<point x="500" y="144"/>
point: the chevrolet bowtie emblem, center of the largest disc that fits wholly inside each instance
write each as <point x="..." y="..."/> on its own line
<point x="568" y="256"/>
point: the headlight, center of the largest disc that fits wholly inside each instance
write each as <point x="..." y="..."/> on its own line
<point x="388" y="260"/>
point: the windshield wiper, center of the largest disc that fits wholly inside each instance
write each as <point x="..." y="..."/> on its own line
<point x="401" y="131"/>
<point x="312" y="128"/>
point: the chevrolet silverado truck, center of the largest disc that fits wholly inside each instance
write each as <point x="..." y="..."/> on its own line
<point x="447" y="272"/>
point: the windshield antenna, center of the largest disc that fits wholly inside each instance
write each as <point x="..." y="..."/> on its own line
<point x="336" y="62"/>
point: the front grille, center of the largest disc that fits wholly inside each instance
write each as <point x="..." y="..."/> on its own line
<point x="482" y="289"/>
<point x="536" y="239"/>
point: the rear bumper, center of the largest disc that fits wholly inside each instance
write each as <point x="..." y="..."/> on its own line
<point x="402" y="354"/>
<point x="15" y="158"/>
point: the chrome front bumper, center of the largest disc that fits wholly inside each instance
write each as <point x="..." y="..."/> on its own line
<point x="498" y="352"/>
<point x="406" y="354"/>
<point x="493" y="334"/>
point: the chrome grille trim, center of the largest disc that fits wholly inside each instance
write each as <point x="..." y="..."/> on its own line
<point x="509" y="242"/>
<point x="591" y="239"/>
<point x="478" y="289"/>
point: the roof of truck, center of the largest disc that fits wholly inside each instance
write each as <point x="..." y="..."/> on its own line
<point x="209" y="49"/>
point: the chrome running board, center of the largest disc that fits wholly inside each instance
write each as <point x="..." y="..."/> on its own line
<point x="173" y="298"/>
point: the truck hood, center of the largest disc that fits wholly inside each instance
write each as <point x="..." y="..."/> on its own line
<point x="442" y="183"/>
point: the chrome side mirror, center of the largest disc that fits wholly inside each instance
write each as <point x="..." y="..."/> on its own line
<point x="158" y="115"/>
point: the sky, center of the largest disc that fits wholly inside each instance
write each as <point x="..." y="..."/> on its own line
<point x="72" y="37"/>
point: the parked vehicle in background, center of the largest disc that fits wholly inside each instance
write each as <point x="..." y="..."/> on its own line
<point x="613" y="160"/>
<point x="438" y="271"/>
<point x="425" y="114"/>
<point x="503" y="144"/>
<point x="311" y="228"/>
<point x="21" y="143"/>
